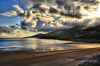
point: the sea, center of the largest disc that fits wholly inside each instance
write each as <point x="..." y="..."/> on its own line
<point x="41" y="45"/>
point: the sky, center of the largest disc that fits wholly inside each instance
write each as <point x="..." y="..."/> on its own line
<point x="6" y="8"/>
<point x="8" y="14"/>
<point x="10" y="8"/>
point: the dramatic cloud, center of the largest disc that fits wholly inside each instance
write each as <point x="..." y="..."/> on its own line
<point x="10" y="13"/>
<point x="18" y="9"/>
<point x="94" y="22"/>
<point x="91" y="12"/>
<point x="13" y="12"/>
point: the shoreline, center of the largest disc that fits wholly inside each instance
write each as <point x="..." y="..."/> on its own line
<point x="74" y="40"/>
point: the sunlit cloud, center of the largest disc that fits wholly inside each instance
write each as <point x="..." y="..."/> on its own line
<point x="17" y="8"/>
<point x="10" y="13"/>
<point x="13" y="12"/>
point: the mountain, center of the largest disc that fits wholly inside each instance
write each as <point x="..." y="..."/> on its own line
<point x="79" y="33"/>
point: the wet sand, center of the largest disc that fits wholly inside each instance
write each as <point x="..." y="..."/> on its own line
<point x="52" y="58"/>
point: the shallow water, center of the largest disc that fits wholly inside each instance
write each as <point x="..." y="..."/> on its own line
<point x="42" y="44"/>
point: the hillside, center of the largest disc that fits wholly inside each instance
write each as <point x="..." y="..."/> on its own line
<point x="84" y="34"/>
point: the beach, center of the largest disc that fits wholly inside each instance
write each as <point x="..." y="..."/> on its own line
<point x="49" y="58"/>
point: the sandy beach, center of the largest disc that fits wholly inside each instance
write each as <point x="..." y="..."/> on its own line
<point x="52" y="58"/>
